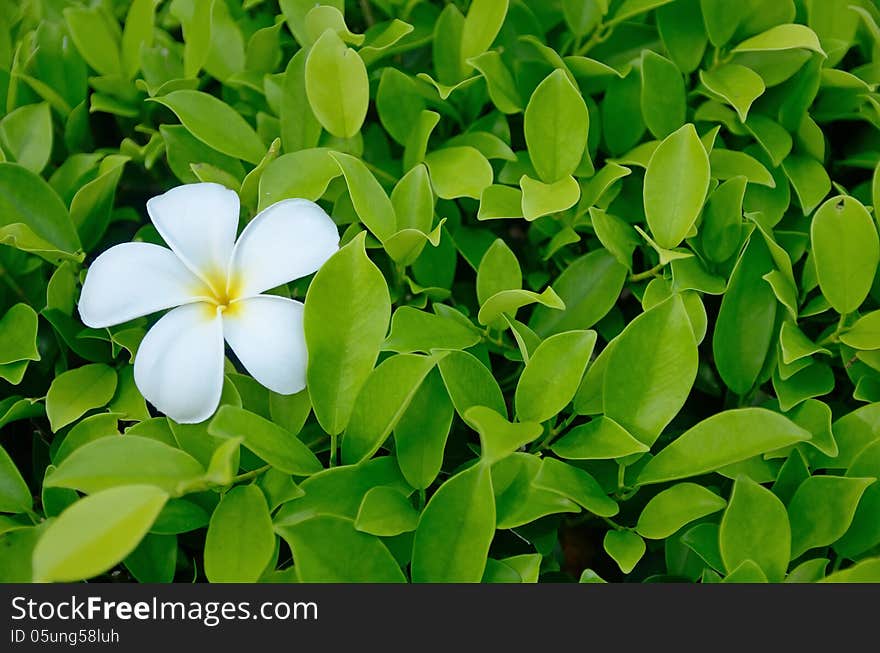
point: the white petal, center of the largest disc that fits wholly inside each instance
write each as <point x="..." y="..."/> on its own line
<point x="266" y="333"/>
<point x="287" y="241"/>
<point x="199" y="222"/>
<point x="179" y="365"/>
<point x="135" y="279"/>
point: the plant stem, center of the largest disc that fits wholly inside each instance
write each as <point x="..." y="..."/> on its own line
<point x="647" y="274"/>
<point x="333" y="447"/>
<point x="251" y="474"/>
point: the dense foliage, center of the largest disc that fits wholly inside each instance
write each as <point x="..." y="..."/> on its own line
<point x="606" y="306"/>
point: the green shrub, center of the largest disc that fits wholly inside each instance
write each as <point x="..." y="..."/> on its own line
<point x="605" y="305"/>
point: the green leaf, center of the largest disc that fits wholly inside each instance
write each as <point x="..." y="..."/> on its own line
<point x="838" y="496"/>
<point x="386" y="512"/>
<point x="414" y="330"/>
<point x="215" y="123"/>
<point x="15" y="497"/>
<point x="552" y="375"/>
<point x="663" y="99"/>
<point x="864" y="334"/>
<point x="29" y="207"/>
<point x="370" y="201"/>
<point x="672" y="200"/>
<point x="540" y="199"/>
<point x="498" y="270"/>
<point x="625" y="547"/>
<point x="722" y="227"/>
<point x="499" y="438"/>
<point x="92" y="206"/>
<point x="381" y="402"/>
<point x="96" y="40"/>
<point x="337" y="85"/>
<point x="575" y="484"/>
<point x="346" y="316"/>
<point x="460" y="171"/>
<point x="556" y="125"/>
<point x="737" y="85"/>
<point x="722" y="439"/>
<point x="240" y="540"/>
<point x="339" y="491"/>
<point x="75" y="392"/>
<point x="864" y="531"/>
<point x="809" y="179"/>
<point x="328" y="549"/>
<point x="782" y="37"/>
<point x="18" y="335"/>
<point x="518" y="501"/>
<point x="274" y="444"/>
<point x="470" y="383"/>
<point x="510" y="301"/>
<point x="673" y="508"/>
<point x="651" y="370"/>
<point x="866" y="571"/>
<point x="589" y="287"/>
<point x="137" y="34"/>
<point x="755" y="527"/>
<point x="681" y="27"/>
<point x="108" y="462"/>
<point x="421" y="432"/>
<point x="299" y="127"/>
<point x="846" y="251"/>
<point x="26" y="133"/>
<point x="304" y="174"/>
<point x="455" y="530"/>
<point x="481" y="26"/>
<point x="96" y="533"/>
<point x="600" y="439"/>
<point x="745" y="325"/>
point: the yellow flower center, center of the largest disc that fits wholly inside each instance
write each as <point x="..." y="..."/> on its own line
<point x="221" y="293"/>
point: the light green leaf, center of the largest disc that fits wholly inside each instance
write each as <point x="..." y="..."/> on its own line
<point x="381" y="402"/>
<point x="552" y="375"/>
<point x="215" y="123"/>
<point x="460" y="171"/>
<point x="337" y="85"/>
<point x="470" y="383"/>
<point x="370" y="201"/>
<point x="576" y="484"/>
<point x="673" y="200"/>
<point x="540" y="199"/>
<point x="455" y="530"/>
<point x="240" y="539"/>
<point x="77" y="391"/>
<point x="499" y="438"/>
<point x="838" y="496"/>
<point x="328" y="549"/>
<point x="108" y="462"/>
<point x="846" y="251"/>
<point x="782" y="37"/>
<point x="96" y="533"/>
<point x="18" y="335"/>
<point x="26" y="133"/>
<point x="509" y="301"/>
<point x="15" y="497"/>
<point x="96" y="40"/>
<point x="737" y="85"/>
<point x="663" y="99"/>
<point x="722" y="439"/>
<point x="651" y="370"/>
<point x="864" y="334"/>
<point x="386" y="512"/>
<point x="556" y="125"/>
<point x="481" y="26"/>
<point x="675" y="507"/>
<point x="600" y="439"/>
<point x="589" y="288"/>
<point x="625" y="547"/>
<point x="755" y="527"/>
<point x="274" y="444"/>
<point x="346" y="316"/>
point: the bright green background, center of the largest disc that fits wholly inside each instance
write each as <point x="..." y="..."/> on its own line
<point x="607" y="306"/>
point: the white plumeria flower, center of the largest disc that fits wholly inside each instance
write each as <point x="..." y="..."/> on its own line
<point x="215" y="283"/>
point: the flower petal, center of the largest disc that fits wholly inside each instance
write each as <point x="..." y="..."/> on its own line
<point x="287" y="241"/>
<point x="136" y="279"/>
<point x="179" y="365"/>
<point x="199" y="222"/>
<point x="266" y="333"/>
